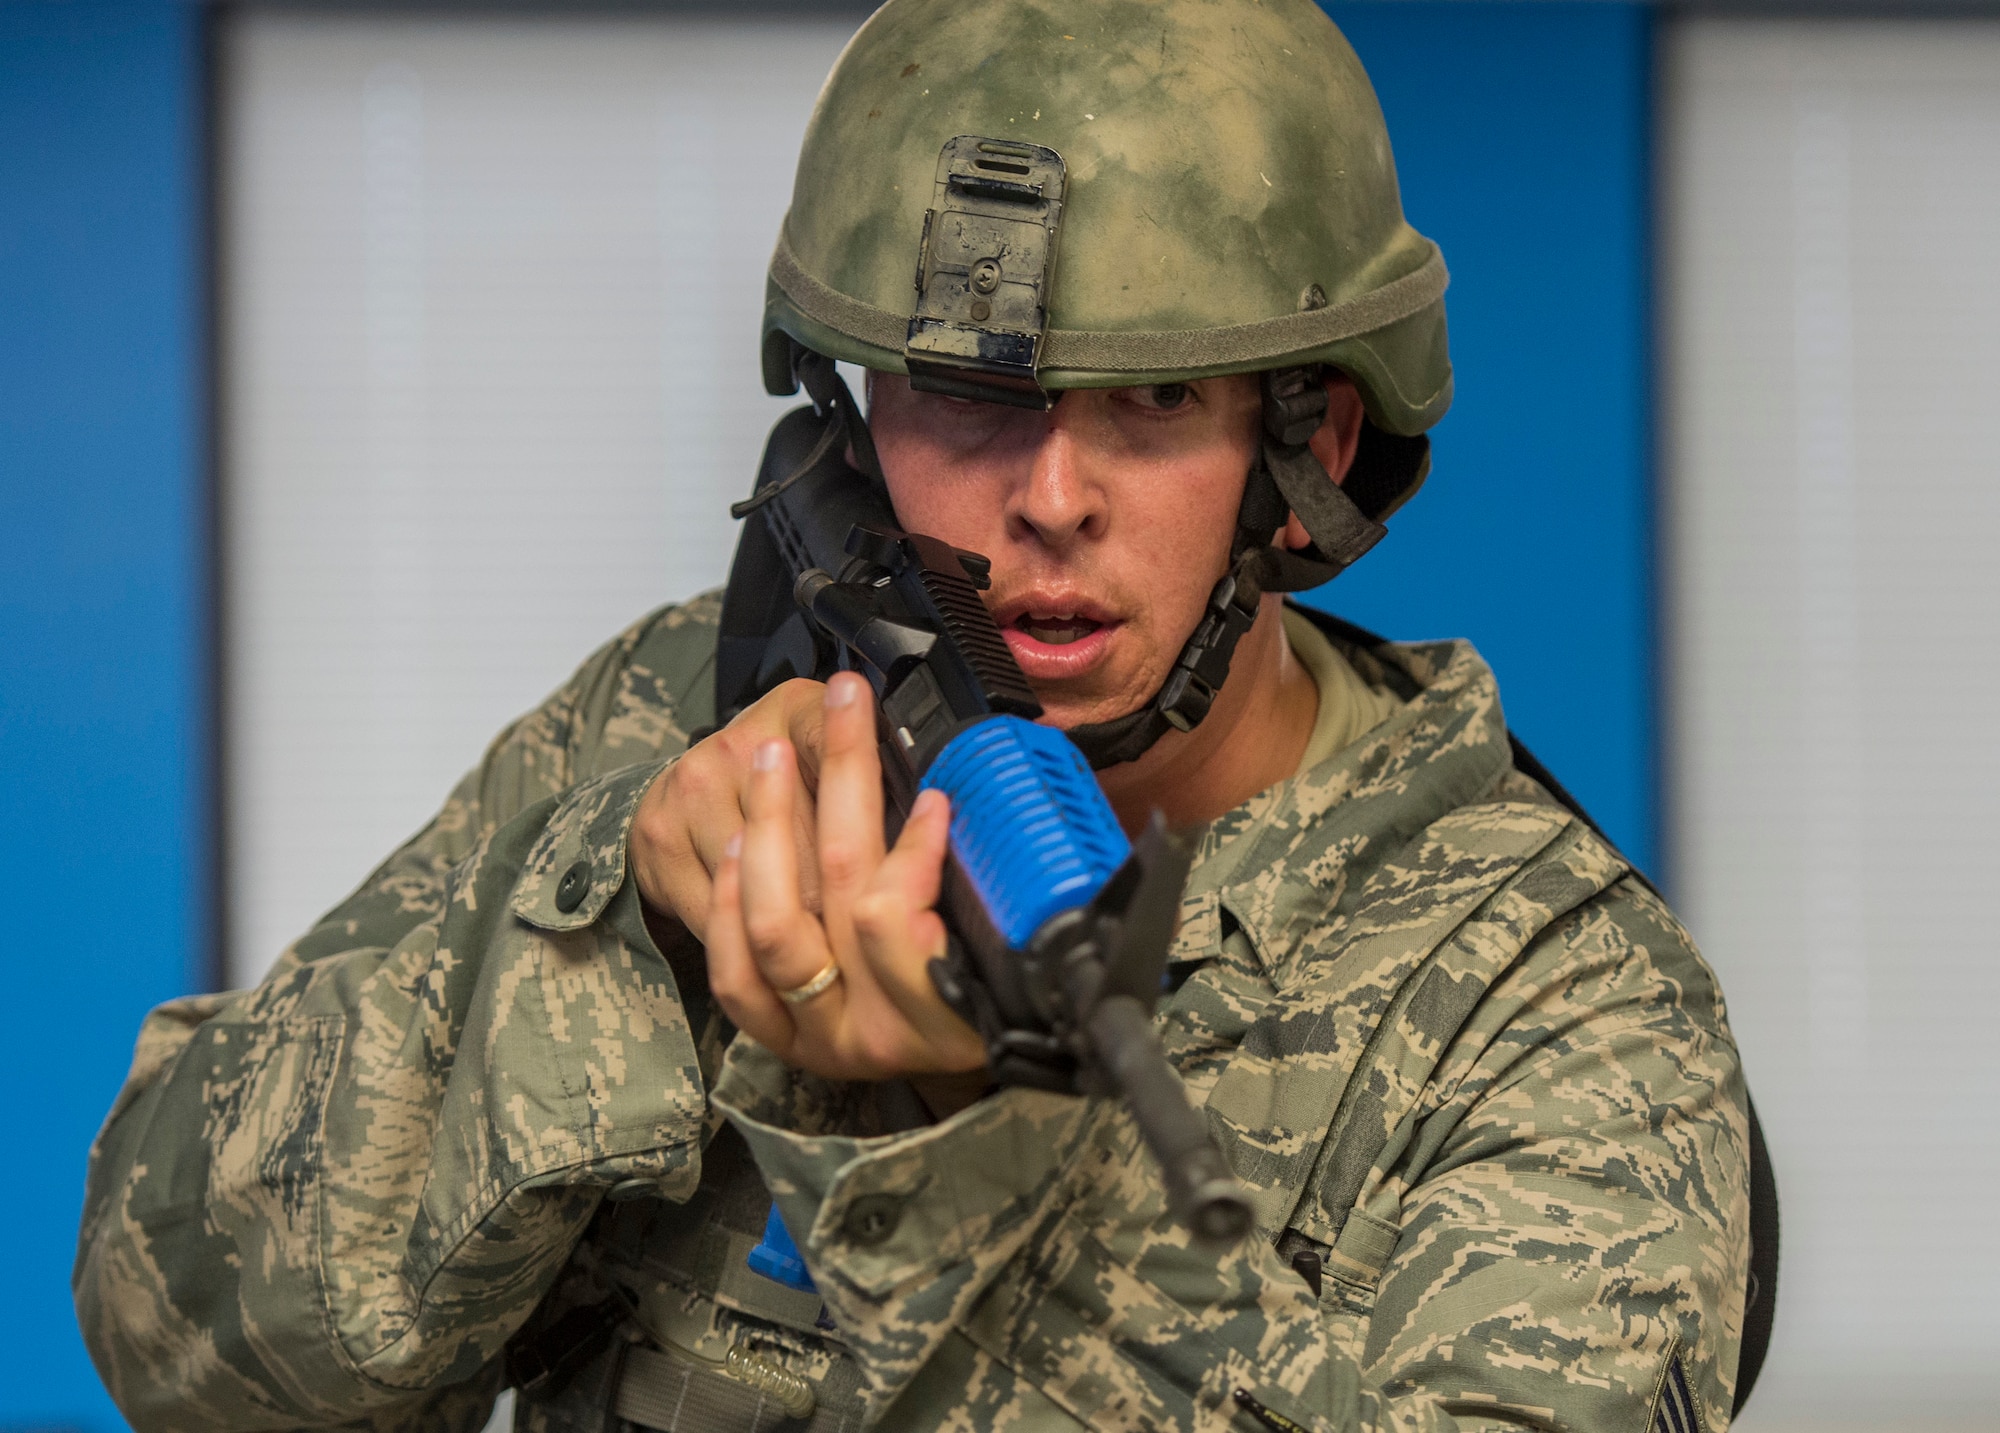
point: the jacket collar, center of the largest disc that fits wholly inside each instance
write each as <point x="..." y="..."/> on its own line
<point x="1289" y="858"/>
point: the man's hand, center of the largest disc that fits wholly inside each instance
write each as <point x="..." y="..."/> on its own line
<point x="788" y="847"/>
<point x="697" y="806"/>
<point x="880" y="1017"/>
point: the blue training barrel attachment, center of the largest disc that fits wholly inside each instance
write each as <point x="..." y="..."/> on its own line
<point x="1029" y="823"/>
<point x="777" y="1257"/>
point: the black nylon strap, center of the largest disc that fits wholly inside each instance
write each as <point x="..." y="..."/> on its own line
<point x="829" y="392"/>
<point x="1387" y="470"/>
<point x="1126" y="738"/>
<point x="1263" y="511"/>
<point x="1340" y="531"/>
<point x="1282" y="571"/>
<point x="1760" y="1304"/>
<point x="814" y="456"/>
<point x="1197" y="674"/>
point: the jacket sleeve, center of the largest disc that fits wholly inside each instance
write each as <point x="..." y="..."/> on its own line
<point x="1554" y="1234"/>
<point x="328" y="1201"/>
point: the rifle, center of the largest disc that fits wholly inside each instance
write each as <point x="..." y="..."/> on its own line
<point x="1059" y="926"/>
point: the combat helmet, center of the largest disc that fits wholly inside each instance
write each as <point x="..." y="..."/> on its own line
<point x="1009" y="199"/>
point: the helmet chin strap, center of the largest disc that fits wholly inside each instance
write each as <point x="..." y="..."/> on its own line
<point x="831" y="395"/>
<point x="1285" y="478"/>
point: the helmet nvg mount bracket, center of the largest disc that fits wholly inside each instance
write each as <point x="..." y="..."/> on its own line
<point x="983" y="268"/>
<point x="1103" y="196"/>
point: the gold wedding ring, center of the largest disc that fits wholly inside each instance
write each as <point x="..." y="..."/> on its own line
<point x="800" y="994"/>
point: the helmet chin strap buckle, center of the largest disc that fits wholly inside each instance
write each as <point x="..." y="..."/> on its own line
<point x="1191" y="688"/>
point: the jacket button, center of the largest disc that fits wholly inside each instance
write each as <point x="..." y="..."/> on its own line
<point x="872" y="1218"/>
<point x="575" y="884"/>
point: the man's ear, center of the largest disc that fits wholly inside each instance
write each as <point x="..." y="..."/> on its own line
<point x="1334" y="444"/>
<point x="1339" y="433"/>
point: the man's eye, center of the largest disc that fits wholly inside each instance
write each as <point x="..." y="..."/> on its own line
<point x="1165" y="396"/>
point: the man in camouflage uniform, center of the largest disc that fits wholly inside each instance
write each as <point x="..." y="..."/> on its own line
<point x="490" y="1121"/>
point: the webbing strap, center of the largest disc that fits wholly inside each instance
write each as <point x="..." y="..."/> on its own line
<point x="830" y="394"/>
<point x="1760" y="1304"/>
<point x="1173" y="350"/>
<point x="658" y="1391"/>
<point x="1340" y="531"/>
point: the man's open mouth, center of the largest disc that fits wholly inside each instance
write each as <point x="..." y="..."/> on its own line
<point x="1056" y="631"/>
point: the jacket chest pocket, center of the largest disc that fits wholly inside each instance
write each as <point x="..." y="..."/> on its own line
<point x="1321" y="1099"/>
<point x="1345" y="1047"/>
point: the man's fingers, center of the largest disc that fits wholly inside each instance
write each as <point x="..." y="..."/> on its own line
<point x="805" y="726"/>
<point x="787" y="942"/>
<point x="784" y="937"/>
<point x="793" y="714"/>
<point x="738" y="985"/>
<point x="849" y="797"/>
<point x="701" y="801"/>
<point x="879" y="1014"/>
<point x="915" y="868"/>
<point x="805" y="729"/>
<point x="900" y="935"/>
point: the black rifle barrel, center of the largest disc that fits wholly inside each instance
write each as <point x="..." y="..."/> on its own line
<point x="1201" y="1190"/>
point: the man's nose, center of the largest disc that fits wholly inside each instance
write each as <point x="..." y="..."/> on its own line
<point x="1060" y="502"/>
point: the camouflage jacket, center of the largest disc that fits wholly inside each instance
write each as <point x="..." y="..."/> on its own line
<point x="1455" y="1048"/>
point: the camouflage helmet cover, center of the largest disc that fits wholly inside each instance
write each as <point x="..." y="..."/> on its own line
<point x="1230" y="206"/>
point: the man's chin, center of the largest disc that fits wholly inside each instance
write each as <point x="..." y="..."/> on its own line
<point x="1069" y="710"/>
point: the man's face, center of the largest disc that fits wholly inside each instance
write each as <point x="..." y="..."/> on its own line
<point x="1108" y="520"/>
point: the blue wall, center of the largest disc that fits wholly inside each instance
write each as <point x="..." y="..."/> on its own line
<point x="1521" y="137"/>
<point x="103" y="705"/>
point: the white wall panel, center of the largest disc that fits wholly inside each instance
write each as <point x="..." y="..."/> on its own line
<point x="491" y="294"/>
<point x="1831" y="218"/>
